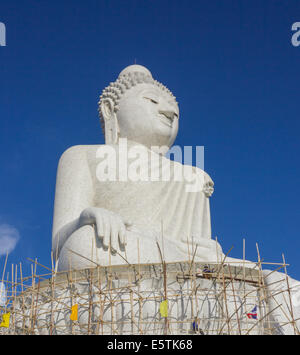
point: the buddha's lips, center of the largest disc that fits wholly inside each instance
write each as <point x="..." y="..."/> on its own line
<point x="167" y="121"/>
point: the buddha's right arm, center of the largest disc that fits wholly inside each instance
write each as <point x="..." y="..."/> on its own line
<point x="74" y="208"/>
<point x="74" y="193"/>
<point x="87" y="217"/>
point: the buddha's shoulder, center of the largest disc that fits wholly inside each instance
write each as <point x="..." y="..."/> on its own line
<point x="202" y="173"/>
<point x="80" y="152"/>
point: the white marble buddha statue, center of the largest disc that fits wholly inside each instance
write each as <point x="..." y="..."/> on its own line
<point x="115" y="203"/>
<point x="111" y="217"/>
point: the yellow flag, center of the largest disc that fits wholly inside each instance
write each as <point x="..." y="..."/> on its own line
<point x="74" y="313"/>
<point x="164" y="308"/>
<point x="5" y="320"/>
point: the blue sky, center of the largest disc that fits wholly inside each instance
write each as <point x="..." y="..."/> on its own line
<point x="231" y="66"/>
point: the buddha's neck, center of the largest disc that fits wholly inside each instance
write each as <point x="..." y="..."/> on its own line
<point x="161" y="150"/>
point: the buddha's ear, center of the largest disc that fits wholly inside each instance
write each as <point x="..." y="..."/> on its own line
<point x="111" y="126"/>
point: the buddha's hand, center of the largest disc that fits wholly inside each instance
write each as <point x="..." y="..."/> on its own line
<point x="110" y="227"/>
<point x="208" y="187"/>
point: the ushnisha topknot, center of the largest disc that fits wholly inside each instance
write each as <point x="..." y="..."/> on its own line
<point x="128" y="78"/>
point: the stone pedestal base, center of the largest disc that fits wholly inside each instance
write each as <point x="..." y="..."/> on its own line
<point x="201" y="299"/>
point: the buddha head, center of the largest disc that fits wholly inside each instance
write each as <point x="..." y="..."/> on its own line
<point x="139" y="108"/>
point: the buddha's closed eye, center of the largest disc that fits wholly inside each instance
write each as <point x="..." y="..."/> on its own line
<point x="150" y="99"/>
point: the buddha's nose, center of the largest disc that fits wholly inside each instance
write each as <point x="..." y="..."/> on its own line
<point x="169" y="114"/>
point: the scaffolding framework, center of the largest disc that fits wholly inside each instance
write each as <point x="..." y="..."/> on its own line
<point x="202" y="298"/>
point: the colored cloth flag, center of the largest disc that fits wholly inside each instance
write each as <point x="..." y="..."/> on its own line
<point x="253" y="313"/>
<point x="164" y="308"/>
<point x="5" y="320"/>
<point x="74" y="312"/>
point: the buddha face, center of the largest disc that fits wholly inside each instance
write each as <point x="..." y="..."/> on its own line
<point x="148" y="115"/>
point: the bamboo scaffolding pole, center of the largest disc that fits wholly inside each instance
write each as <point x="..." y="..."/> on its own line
<point x="15" y="294"/>
<point x="45" y="267"/>
<point x="140" y="300"/>
<point x="229" y="329"/>
<point x="194" y="289"/>
<point x="34" y="316"/>
<point x="22" y="296"/>
<point x="244" y="276"/>
<point x="290" y="299"/>
<point x="51" y="304"/>
<point x="110" y="293"/>
<point x="71" y="296"/>
<point x="262" y="286"/>
<point x="165" y="297"/>
<point x="101" y="303"/>
<point x="234" y="299"/>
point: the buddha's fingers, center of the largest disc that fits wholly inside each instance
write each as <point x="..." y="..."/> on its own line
<point x="99" y="227"/>
<point x="128" y="223"/>
<point x="106" y="234"/>
<point x="114" y="235"/>
<point x="122" y="233"/>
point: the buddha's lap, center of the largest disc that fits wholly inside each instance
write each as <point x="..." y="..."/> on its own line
<point x="83" y="247"/>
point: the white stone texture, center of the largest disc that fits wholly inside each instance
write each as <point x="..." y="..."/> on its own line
<point x="131" y="216"/>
